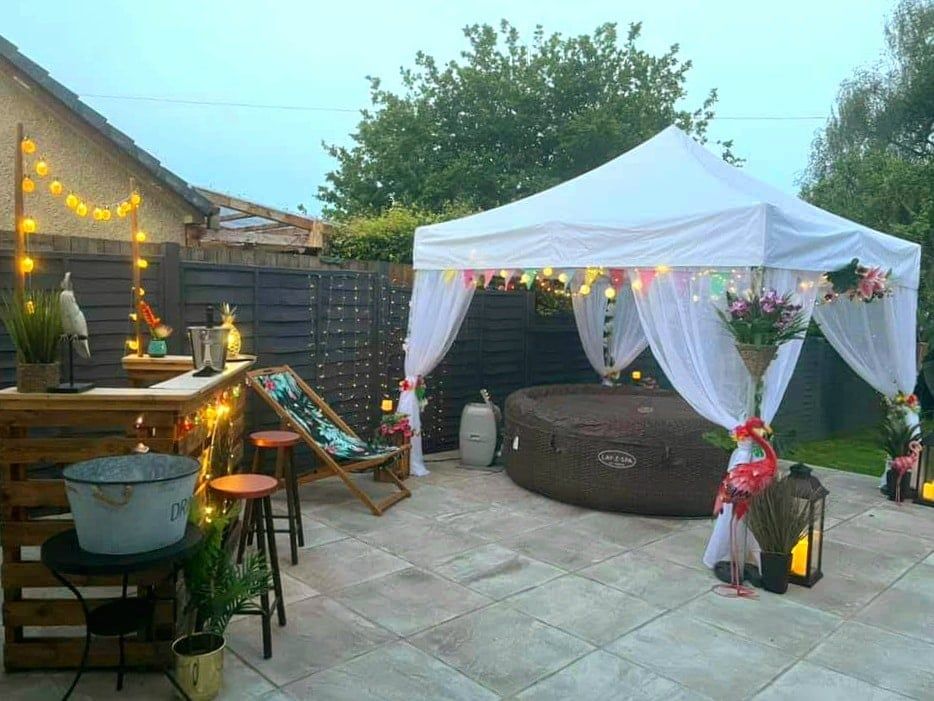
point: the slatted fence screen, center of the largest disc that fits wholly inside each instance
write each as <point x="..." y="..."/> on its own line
<point x="343" y="331"/>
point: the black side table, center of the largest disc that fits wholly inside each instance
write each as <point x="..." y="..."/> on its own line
<point x="63" y="556"/>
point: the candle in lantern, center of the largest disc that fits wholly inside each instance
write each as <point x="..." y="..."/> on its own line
<point x="386" y="405"/>
<point x="636" y="375"/>
<point x="799" y="557"/>
<point x="927" y="491"/>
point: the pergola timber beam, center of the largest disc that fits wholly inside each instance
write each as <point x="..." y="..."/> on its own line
<point x="258" y="210"/>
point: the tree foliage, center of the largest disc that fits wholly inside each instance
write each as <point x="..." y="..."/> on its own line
<point x="387" y="235"/>
<point x="874" y="161"/>
<point x="508" y="119"/>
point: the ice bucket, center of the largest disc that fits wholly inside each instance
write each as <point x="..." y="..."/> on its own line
<point x="130" y="503"/>
<point x="208" y="346"/>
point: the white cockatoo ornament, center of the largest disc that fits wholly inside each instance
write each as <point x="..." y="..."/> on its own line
<point x="74" y="325"/>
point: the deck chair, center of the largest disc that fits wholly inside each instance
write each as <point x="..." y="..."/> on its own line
<point x="339" y="451"/>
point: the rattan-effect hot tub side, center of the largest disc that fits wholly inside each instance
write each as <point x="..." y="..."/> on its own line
<point x="625" y="449"/>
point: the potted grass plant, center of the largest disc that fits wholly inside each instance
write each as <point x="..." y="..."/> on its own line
<point x="777" y="517"/>
<point x="217" y="589"/>
<point x="34" y="324"/>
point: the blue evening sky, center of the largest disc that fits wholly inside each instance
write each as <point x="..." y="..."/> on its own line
<point x="768" y="59"/>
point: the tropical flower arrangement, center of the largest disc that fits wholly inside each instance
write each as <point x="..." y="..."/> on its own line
<point x="858" y="282"/>
<point x="906" y="402"/>
<point x="392" y="424"/>
<point x="902" y="443"/>
<point x="157" y="329"/>
<point x="418" y="387"/>
<point x="763" y="319"/>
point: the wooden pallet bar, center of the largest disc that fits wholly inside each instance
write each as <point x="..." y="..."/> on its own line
<point x="40" y="434"/>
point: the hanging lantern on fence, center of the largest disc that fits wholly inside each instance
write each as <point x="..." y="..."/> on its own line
<point x="807" y="554"/>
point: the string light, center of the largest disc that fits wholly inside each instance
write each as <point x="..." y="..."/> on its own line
<point x="142" y="263"/>
<point x="28" y="146"/>
<point x="584" y="289"/>
<point x="140" y="236"/>
<point x="29" y="225"/>
<point x="29" y="185"/>
<point x="81" y="210"/>
<point x="26" y="265"/>
<point x="55" y="187"/>
<point x="548" y="271"/>
<point x="42" y="169"/>
<point x="610" y="293"/>
<point x="71" y="201"/>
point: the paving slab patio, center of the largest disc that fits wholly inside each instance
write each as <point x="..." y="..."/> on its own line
<point x="477" y="589"/>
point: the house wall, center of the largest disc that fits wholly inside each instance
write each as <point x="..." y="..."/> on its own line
<point x="84" y="160"/>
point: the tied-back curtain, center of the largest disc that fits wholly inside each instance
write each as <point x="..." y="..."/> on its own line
<point x="697" y="354"/>
<point x="876" y="339"/>
<point x="437" y="309"/>
<point x="626" y="339"/>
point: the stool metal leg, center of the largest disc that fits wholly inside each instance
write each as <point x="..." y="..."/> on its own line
<point x="261" y="527"/>
<point x="284" y="471"/>
<point x="298" y="503"/>
<point x="246" y="529"/>
<point x="273" y="558"/>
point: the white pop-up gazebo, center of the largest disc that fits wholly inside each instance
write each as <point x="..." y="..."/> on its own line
<point x="681" y="227"/>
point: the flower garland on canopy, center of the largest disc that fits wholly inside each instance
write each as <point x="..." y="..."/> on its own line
<point x="857" y="282"/>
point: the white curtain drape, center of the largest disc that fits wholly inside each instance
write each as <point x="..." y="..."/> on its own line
<point x="626" y="339"/>
<point x="687" y="338"/>
<point x="439" y="303"/>
<point x="877" y="340"/>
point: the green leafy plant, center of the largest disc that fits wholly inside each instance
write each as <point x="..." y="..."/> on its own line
<point x="34" y="324"/>
<point x="897" y="435"/>
<point x="218" y="588"/>
<point x="777" y="516"/>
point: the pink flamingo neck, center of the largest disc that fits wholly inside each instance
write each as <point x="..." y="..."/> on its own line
<point x="767" y="448"/>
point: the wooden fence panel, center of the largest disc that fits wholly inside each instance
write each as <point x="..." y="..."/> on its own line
<point x="343" y="330"/>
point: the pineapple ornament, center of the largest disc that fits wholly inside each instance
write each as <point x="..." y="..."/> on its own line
<point x="228" y="317"/>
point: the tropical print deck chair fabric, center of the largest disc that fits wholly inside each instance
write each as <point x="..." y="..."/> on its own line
<point x="304" y="412"/>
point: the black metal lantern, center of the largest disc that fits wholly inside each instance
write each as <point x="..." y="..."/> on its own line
<point x="807" y="555"/>
<point x="925" y="492"/>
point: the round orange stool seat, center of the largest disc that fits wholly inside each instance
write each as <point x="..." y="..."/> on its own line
<point x="275" y="439"/>
<point x="245" y="486"/>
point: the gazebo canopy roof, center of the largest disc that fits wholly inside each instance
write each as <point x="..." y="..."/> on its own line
<point x="669" y="201"/>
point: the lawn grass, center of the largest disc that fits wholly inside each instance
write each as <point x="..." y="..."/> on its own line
<point x="855" y="452"/>
<point x="859" y="452"/>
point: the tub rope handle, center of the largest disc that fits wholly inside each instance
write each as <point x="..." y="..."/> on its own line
<point x="98" y="494"/>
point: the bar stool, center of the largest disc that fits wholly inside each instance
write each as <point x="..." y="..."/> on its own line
<point x="252" y="488"/>
<point x="282" y="442"/>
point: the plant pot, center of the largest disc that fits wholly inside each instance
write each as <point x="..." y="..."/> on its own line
<point x="199" y="664"/>
<point x="37" y="377"/>
<point x="756" y="358"/>
<point x="775" y="570"/>
<point x="400" y="467"/>
<point x="904" y="490"/>
<point x="157" y="348"/>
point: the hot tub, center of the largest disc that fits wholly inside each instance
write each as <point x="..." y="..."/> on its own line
<point x="613" y="448"/>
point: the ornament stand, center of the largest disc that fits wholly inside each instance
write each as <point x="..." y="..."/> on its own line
<point x="757" y="360"/>
<point x="72" y="387"/>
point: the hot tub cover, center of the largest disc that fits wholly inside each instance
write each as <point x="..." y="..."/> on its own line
<point x="613" y="448"/>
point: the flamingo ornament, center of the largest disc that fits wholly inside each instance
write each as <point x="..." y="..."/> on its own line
<point x="739" y="485"/>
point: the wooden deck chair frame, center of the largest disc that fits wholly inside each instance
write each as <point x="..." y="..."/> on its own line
<point x="327" y="465"/>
